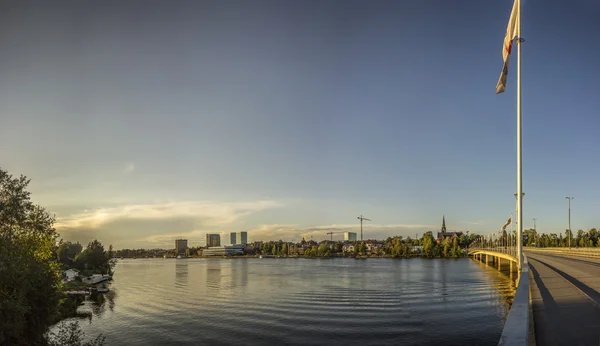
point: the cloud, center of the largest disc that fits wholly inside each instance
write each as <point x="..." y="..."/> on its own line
<point x="208" y="214"/>
<point x="474" y="222"/>
<point x="370" y="231"/>
<point x="130" y="167"/>
<point x="287" y="232"/>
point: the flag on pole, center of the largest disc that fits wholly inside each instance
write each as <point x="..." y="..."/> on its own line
<point x="508" y="222"/>
<point x="511" y="32"/>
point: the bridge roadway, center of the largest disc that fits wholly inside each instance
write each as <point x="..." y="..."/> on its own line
<point x="565" y="299"/>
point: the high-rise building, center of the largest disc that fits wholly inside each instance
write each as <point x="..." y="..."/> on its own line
<point x="180" y="246"/>
<point x="242" y="238"/>
<point x="213" y="240"/>
<point x="232" y="238"/>
<point x="349" y="236"/>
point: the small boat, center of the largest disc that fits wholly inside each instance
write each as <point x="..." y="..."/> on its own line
<point x="179" y="257"/>
<point x="95" y="279"/>
<point x="103" y="290"/>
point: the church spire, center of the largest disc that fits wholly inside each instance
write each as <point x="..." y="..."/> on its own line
<point x="443" y="223"/>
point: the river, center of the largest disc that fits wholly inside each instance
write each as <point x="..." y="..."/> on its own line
<point x="249" y="301"/>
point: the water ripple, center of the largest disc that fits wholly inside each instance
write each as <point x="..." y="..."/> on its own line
<point x="304" y="302"/>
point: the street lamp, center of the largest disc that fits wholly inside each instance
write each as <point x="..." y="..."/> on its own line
<point x="569" y="198"/>
<point x="519" y="241"/>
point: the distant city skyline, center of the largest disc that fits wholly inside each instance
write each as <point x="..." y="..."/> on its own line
<point x="146" y="123"/>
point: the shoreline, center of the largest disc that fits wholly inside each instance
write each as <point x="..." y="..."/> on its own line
<point x="293" y="257"/>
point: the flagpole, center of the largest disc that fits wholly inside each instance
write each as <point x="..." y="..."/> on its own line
<point x="512" y="222"/>
<point x="519" y="142"/>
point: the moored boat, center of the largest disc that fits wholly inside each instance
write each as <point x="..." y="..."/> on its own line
<point x="95" y="279"/>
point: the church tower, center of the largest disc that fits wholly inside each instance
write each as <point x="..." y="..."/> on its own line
<point x="443" y="224"/>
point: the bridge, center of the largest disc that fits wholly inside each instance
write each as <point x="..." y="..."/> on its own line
<point x="558" y="294"/>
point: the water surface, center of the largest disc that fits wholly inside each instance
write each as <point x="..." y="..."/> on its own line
<point x="247" y="301"/>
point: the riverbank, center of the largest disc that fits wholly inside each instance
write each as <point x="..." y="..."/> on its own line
<point x="308" y="257"/>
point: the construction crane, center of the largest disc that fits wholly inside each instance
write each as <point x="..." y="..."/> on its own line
<point x="332" y="233"/>
<point x="361" y="218"/>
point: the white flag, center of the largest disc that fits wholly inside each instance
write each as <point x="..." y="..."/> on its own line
<point x="511" y="32"/>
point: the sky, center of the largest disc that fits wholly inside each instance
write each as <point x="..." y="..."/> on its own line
<point x="140" y="122"/>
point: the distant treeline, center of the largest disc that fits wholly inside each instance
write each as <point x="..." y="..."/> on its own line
<point x="589" y="238"/>
<point x="396" y="247"/>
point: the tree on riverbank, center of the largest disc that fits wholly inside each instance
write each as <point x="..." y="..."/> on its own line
<point x="67" y="251"/>
<point x="94" y="259"/>
<point x="29" y="289"/>
<point x="30" y="284"/>
<point x="70" y="334"/>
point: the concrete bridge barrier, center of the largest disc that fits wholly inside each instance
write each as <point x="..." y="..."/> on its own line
<point x="588" y="252"/>
<point x="516" y="327"/>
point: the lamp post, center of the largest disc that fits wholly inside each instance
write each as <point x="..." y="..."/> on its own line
<point x="519" y="239"/>
<point x="569" y="198"/>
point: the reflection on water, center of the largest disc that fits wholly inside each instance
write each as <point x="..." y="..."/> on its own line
<point x="213" y="275"/>
<point x="181" y="273"/>
<point x="302" y="302"/>
<point x="504" y="281"/>
<point x="96" y="303"/>
<point x="239" y="274"/>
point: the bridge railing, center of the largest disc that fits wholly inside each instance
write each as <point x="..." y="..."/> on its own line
<point x="589" y="252"/>
<point x="494" y="246"/>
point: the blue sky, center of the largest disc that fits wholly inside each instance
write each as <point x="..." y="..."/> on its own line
<point x="145" y="121"/>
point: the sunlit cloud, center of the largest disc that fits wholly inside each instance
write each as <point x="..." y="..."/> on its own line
<point x="210" y="214"/>
<point x="474" y="222"/>
<point x="370" y="231"/>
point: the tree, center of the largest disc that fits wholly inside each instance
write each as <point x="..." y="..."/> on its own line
<point x="311" y="252"/>
<point x="427" y="243"/>
<point x="593" y="235"/>
<point x="446" y="244"/>
<point x="70" y="334"/>
<point x="30" y="280"/>
<point x="579" y="237"/>
<point x="362" y="248"/>
<point x="455" y="248"/>
<point x="67" y="252"/>
<point x="323" y="248"/>
<point x="265" y="248"/>
<point x="95" y="259"/>
<point x="284" y="249"/>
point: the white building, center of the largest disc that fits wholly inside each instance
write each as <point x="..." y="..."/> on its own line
<point x="349" y="236"/>
<point x="71" y="274"/>
<point x="348" y="248"/>
<point x="224" y="250"/>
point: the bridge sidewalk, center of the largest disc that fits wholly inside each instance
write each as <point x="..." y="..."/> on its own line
<point x="565" y="308"/>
